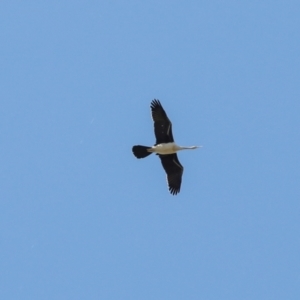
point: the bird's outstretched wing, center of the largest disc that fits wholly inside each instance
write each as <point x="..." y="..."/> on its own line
<point x="162" y="124"/>
<point x="174" y="172"/>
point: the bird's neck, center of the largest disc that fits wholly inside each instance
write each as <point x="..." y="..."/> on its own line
<point x="186" y="148"/>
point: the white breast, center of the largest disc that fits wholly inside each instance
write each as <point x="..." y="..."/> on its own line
<point x="165" y="148"/>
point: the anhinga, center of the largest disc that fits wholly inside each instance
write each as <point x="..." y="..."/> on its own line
<point x="164" y="147"/>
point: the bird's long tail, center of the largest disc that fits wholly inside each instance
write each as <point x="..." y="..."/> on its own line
<point x="140" y="151"/>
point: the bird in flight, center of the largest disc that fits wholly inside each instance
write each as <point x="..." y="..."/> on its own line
<point x="165" y="147"/>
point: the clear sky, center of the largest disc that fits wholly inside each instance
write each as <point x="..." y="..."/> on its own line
<point x="82" y="218"/>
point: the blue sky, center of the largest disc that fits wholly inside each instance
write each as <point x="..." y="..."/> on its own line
<point x="81" y="218"/>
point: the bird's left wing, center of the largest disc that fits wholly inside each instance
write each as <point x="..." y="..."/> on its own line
<point x="174" y="171"/>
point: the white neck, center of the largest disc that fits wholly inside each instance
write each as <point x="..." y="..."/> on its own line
<point x="188" y="148"/>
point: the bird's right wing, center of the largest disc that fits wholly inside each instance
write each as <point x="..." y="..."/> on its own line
<point x="162" y="124"/>
<point x="174" y="172"/>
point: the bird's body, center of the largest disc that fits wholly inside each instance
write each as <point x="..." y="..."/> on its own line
<point x="165" y="147"/>
<point x="168" y="148"/>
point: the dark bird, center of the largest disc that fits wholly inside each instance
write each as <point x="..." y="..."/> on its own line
<point x="164" y="147"/>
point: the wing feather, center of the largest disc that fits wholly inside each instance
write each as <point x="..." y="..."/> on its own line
<point x="162" y="124"/>
<point x="174" y="171"/>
